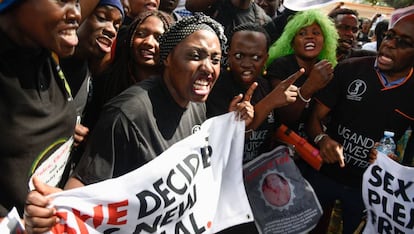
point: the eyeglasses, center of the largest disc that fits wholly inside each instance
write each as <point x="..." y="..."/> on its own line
<point x="400" y="42"/>
<point x="347" y="28"/>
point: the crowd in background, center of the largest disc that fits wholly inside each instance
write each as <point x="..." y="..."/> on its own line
<point x="115" y="78"/>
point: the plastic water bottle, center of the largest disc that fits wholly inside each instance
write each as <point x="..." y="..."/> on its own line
<point x="387" y="144"/>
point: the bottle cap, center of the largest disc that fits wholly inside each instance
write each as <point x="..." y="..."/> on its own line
<point x="389" y="133"/>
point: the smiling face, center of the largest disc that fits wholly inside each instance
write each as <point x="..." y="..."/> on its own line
<point x="247" y="56"/>
<point x="397" y="58"/>
<point x="98" y="32"/>
<point x="49" y="24"/>
<point x="145" y="45"/>
<point x="192" y="67"/>
<point x="308" y="42"/>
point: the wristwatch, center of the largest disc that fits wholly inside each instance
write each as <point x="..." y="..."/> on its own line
<point x="319" y="137"/>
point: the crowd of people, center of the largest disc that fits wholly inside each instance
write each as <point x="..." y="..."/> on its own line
<point x="120" y="81"/>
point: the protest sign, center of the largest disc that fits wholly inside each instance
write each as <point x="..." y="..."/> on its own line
<point x="388" y="194"/>
<point x="282" y="200"/>
<point x="11" y="223"/>
<point x="196" y="186"/>
<point x="51" y="170"/>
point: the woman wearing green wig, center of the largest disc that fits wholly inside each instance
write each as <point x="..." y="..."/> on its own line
<point x="309" y="41"/>
<point x="284" y="45"/>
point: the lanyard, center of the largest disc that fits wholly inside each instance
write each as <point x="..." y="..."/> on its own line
<point x="62" y="76"/>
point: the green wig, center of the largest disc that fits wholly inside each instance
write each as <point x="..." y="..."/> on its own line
<point x="283" y="46"/>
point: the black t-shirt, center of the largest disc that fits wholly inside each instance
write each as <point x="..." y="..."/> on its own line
<point x="280" y="69"/>
<point x="362" y="108"/>
<point x="135" y="127"/>
<point x="218" y="103"/>
<point x="79" y="77"/>
<point x="353" y="52"/>
<point x="36" y="117"/>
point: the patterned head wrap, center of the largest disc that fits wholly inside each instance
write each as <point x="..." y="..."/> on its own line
<point x="187" y="26"/>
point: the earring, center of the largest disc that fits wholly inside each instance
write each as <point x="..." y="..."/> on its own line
<point x="264" y="72"/>
<point x="228" y="68"/>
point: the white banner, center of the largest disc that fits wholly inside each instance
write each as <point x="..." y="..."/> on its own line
<point x="388" y="194"/>
<point x="12" y="223"/>
<point x="196" y="186"/>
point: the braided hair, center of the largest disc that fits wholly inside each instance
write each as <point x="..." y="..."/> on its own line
<point x="186" y="26"/>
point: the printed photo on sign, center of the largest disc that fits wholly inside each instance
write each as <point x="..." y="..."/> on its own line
<point x="282" y="201"/>
<point x="276" y="189"/>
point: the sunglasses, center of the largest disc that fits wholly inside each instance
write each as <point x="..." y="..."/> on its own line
<point x="347" y="28"/>
<point x="399" y="41"/>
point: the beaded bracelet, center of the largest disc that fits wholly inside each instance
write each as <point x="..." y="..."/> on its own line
<point x="302" y="98"/>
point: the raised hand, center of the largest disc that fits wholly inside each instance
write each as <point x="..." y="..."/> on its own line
<point x="285" y="92"/>
<point x="241" y="104"/>
<point x="319" y="77"/>
<point x="373" y="154"/>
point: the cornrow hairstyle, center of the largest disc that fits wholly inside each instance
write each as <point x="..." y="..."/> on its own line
<point x="283" y="46"/>
<point x="253" y="27"/>
<point x="186" y="26"/>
